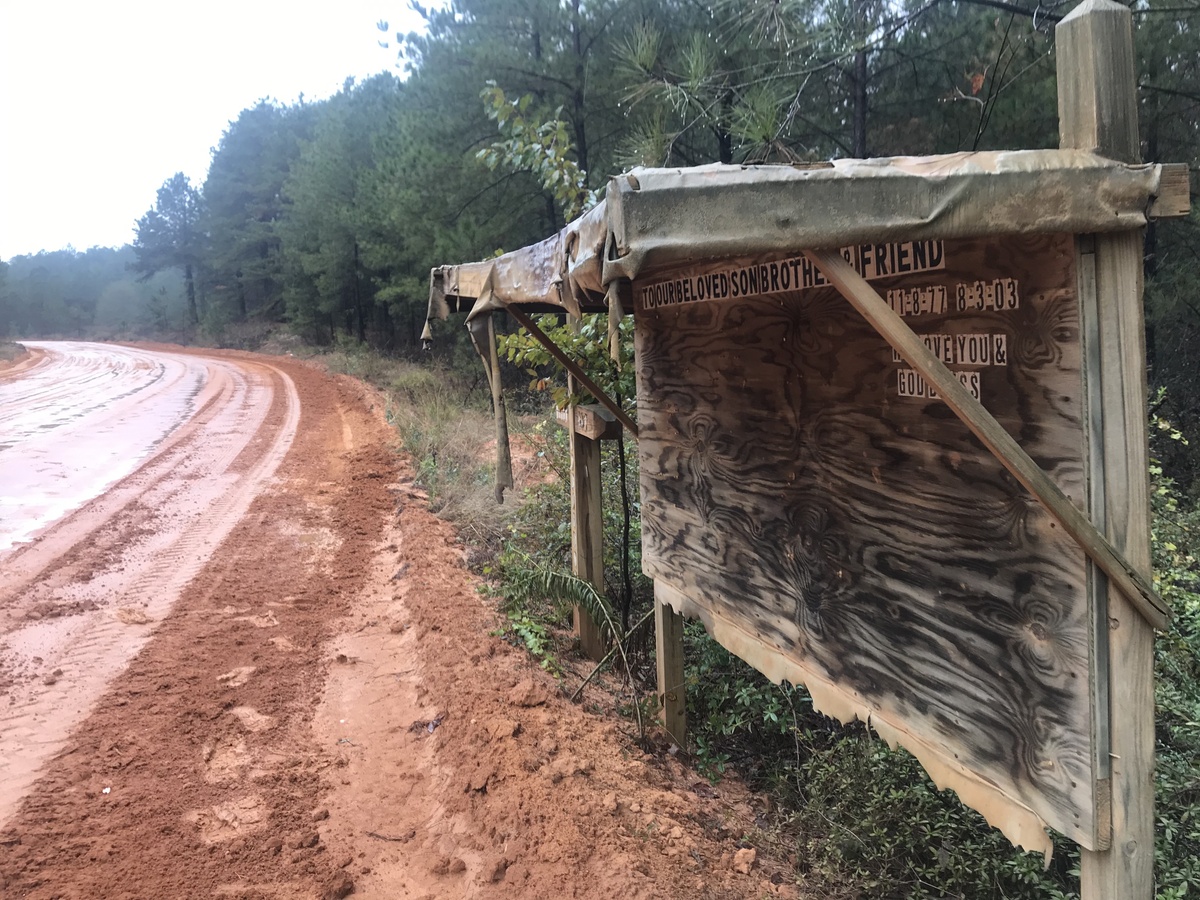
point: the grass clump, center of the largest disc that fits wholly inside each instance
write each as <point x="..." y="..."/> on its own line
<point x="535" y="539"/>
<point x="445" y="423"/>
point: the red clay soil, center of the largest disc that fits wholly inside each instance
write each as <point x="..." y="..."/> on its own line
<point x="326" y="711"/>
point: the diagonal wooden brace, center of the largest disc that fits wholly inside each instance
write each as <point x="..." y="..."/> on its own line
<point x="574" y="368"/>
<point x="984" y="426"/>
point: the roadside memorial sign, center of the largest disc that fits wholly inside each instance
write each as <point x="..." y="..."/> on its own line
<point x="891" y="428"/>
<point x="806" y="493"/>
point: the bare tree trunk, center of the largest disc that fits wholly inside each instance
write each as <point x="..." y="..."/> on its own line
<point x="190" y="283"/>
<point x="358" y="307"/>
<point x="859" y="82"/>
<point x="577" y="97"/>
<point x="1150" y="245"/>
<point x="724" y="138"/>
<point x="860" y="104"/>
<point x="241" y="289"/>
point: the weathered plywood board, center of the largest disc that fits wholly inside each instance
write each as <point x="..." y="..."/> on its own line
<point x="803" y="491"/>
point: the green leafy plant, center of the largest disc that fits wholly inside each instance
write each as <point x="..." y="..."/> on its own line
<point x="587" y="344"/>
<point x="536" y="639"/>
<point x="537" y="144"/>
<point x="1177" y="684"/>
<point x="532" y="570"/>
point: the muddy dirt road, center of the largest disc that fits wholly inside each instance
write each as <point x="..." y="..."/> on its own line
<point x="251" y="664"/>
<point x="76" y="422"/>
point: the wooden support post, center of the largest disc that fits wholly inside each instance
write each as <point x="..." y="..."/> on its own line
<point x="587" y="532"/>
<point x="668" y="645"/>
<point x="1097" y="109"/>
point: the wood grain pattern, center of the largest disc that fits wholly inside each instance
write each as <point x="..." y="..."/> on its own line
<point x="870" y="538"/>
<point x="1174" y="192"/>
<point x="986" y="349"/>
<point x="1127" y="869"/>
<point x="1097" y="102"/>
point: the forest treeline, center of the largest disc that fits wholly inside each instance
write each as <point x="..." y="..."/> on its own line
<point x="328" y="215"/>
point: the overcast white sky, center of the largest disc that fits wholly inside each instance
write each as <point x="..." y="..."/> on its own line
<point x="101" y="102"/>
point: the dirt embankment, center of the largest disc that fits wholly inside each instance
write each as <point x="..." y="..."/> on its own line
<point x="15" y="358"/>
<point x="326" y="710"/>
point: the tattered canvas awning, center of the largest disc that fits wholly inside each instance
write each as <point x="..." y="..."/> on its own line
<point x="656" y="219"/>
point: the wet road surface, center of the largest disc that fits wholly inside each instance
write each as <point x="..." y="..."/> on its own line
<point x="79" y="419"/>
<point x="121" y="471"/>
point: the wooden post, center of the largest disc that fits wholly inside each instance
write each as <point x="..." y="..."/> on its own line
<point x="1097" y="108"/>
<point x="587" y="531"/>
<point x="668" y="645"/>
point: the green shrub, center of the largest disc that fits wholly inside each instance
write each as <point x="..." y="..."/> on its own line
<point x="870" y="817"/>
<point x="10" y="351"/>
<point x="1177" y="695"/>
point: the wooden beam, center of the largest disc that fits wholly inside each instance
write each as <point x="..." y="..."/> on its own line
<point x="587" y="536"/>
<point x="1096" y="584"/>
<point x="668" y="647"/>
<point x="1097" y="108"/>
<point x="1174" y="197"/>
<point x="1126" y="870"/>
<point x="984" y="426"/>
<point x="574" y="368"/>
<point x="592" y="421"/>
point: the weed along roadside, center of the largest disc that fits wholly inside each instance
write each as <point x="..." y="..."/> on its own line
<point x="851" y="496"/>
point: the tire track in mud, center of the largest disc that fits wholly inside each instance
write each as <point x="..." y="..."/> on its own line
<point x="84" y="598"/>
<point x="204" y="738"/>
<point x="80" y="419"/>
<point x="66" y="543"/>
